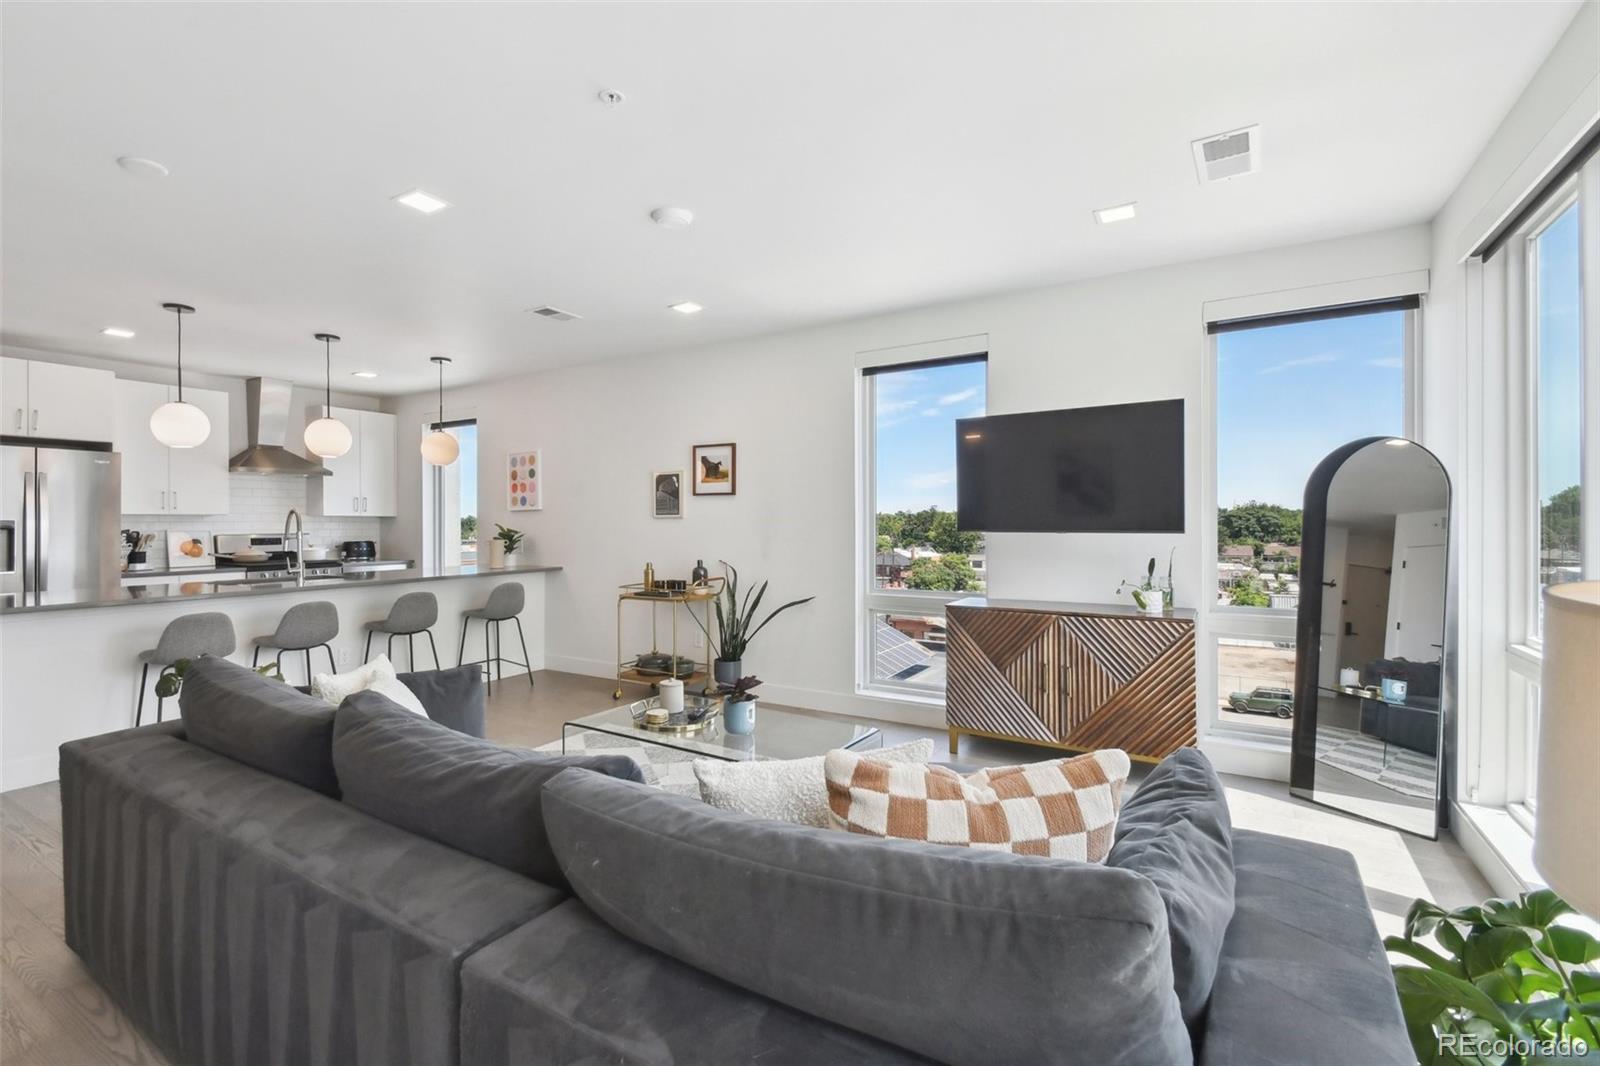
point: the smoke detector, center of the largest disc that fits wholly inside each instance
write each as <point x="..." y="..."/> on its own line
<point x="1227" y="155"/>
<point x="555" y="314"/>
<point x="672" y="217"/>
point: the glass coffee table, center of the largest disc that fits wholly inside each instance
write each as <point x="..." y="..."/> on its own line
<point x="779" y="734"/>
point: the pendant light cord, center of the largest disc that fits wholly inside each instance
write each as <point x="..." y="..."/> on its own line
<point x="440" y="426"/>
<point x="327" y="376"/>
<point x="180" y="361"/>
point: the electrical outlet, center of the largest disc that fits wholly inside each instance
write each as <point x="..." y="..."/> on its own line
<point x="699" y="640"/>
<point x="342" y="655"/>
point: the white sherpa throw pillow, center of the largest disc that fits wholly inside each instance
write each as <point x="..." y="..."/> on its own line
<point x="788" y="790"/>
<point x="377" y="676"/>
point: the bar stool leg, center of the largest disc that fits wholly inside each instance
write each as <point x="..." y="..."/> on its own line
<point x="499" y="654"/>
<point x="411" y="651"/>
<point x="488" y="664"/>
<point x="461" y="652"/>
<point x="255" y="659"/>
<point x="308" y="666"/>
<point x="332" y="666"/>
<point x="434" y="647"/>
<point x="367" y="654"/>
<point x="279" y="661"/>
<point x="526" y="662"/>
<point x="144" y="677"/>
<point x="160" y="700"/>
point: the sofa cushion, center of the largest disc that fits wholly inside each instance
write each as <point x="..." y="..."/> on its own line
<point x="453" y="696"/>
<point x="471" y="794"/>
<point x="959" y="954"/>
<point x="1175" y="830"/>
<point x="261" y="722"/>
<point x="568" y="988"/>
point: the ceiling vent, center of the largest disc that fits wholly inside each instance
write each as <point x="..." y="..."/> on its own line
<point x="1227" y="155"/>
<point x="555" y="314"/>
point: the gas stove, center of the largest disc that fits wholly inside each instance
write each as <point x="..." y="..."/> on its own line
<point x="279" y="564"/>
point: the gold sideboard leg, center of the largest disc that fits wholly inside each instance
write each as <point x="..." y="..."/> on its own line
<point x="955" y="742"/>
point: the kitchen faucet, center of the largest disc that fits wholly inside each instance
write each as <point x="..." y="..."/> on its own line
<point x="298" y="564"/>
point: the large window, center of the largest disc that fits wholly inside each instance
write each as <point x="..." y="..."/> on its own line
<point x="1289" y="390"/>
<point x="915" y="558"/>
<point x="451" y="497"/>
<point x="1556" y="443"/>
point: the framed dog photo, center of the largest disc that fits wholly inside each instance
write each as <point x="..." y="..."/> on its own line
<point x="666" y="488"/>
<point x="716" y="469"/>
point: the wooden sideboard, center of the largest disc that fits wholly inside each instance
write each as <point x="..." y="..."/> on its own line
<point x="1071" y="675"/>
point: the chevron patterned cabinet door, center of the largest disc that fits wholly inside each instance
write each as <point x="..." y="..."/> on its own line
<point x="1073" y="676"/>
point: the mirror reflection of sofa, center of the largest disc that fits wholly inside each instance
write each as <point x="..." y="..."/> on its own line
<point x="1414" y="725"/>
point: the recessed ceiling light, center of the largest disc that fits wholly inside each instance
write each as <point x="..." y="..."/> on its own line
<point x="672" y="217"/>
<point x="118" y="332"/>
<point x="1120" y="213"/>
<point x="427" y="203"/>
<point x="688" y="307"/>
<point x="144" y="168"/>
<point x="363" y="373"/>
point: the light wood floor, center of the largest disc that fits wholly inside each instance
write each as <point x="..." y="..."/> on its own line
<point x="53" y="1012"/>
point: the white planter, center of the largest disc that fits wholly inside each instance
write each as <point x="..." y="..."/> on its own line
<point x="499" y="558"/>
<point x="1154" y="602"/>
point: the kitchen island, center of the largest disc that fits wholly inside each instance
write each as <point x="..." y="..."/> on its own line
<point x="98" y="634"/>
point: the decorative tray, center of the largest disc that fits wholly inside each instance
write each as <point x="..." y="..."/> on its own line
<point x="708" y="710"/>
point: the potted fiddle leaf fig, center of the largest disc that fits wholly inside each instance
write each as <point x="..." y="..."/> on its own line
<point x="509" y="540"/>
<point x="1505" y="972"/>
<point x="737" y="625"/>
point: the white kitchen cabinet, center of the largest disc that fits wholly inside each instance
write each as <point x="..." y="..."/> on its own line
<point x="176" y="481"/>
<point x="56" y="401"/>
<point x="363" y="479"/>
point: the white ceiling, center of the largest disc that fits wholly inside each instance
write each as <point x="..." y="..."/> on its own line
<point x="842" y="159"/>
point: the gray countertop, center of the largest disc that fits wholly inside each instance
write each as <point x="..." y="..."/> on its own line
<point x="201" y="589"/>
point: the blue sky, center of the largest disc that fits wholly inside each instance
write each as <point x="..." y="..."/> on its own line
<point x="916" y="437"/>
<point x="1560" y="361"/>
<point x="1289" y="395"/>
<point x="468" y="436"/>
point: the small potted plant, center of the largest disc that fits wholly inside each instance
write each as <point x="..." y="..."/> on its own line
<point x="739" y="705"/>
<point x="509" y="541"/>
<point x="1151" y="597"/>
<point x="736" y="625"/>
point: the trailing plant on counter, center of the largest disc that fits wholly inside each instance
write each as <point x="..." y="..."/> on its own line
<point x="170" y="683"/>
<point x="510" y="539"/>
<point x="736" y="624"/>
<point x="1509" y="987"/>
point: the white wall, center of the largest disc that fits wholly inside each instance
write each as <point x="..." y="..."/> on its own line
<point x="790" y="403"/>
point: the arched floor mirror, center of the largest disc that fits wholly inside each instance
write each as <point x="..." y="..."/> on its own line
<point x="1370" y="727"/>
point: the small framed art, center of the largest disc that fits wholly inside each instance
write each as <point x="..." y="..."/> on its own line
<point x="666" y="488"/>
<point x="525" y="488"/>
<point x="716" y="469"/>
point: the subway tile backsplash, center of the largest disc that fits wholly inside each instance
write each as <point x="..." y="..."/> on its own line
<point x="259" y="506"/>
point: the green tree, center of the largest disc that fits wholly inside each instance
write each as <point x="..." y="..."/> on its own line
<point x="1258" y="523"/>
<point x="1246" y="594"/>
<point x="891" y="526"/>
<point x="469" y="527"/>
<point x="948" y="573"/>
<point x="885" y="542"/>
<point x="1560" y="520"/>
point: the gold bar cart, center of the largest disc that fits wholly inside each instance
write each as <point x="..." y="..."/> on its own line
<point x="698" y="595"/>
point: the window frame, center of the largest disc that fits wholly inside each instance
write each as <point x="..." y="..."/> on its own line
<point x="1219" y="622"/>
<point x="870" y="600"/>
<point x="433" y="532"/>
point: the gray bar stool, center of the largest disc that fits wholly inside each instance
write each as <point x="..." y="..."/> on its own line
<point x="505" y="604"/>
<point x="413" y="613"/>
<point x="189" y="637"/>
<point x="303" y="627"/>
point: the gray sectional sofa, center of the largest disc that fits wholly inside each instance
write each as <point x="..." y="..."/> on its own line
<point x="272" y="880"/>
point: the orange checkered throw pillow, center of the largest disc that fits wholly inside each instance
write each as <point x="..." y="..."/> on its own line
<point x="1065" y="808"/>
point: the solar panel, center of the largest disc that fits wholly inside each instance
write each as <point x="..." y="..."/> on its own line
<point x="896" y="654"/>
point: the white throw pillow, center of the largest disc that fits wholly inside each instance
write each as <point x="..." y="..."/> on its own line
<point x="377" y="676"/>
<point x="788" y="790"/>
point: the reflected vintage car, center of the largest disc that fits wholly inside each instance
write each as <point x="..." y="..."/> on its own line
<point x="1277" y="701"/>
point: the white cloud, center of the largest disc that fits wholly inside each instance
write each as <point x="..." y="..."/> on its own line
<point x="957" y="397"/>
<point x="1305" y="360"/>
<point x="894" y="407"/>
<point x="936" y="479"/>
<point x="1392" y="362"/>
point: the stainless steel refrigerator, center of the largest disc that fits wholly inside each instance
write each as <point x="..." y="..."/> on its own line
<point x="60" y="508"/>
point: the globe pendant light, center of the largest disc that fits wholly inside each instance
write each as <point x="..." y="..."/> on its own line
<point x="178" y="424"/>
<point x="439" y="447"/>
<point x="327" y="437"/>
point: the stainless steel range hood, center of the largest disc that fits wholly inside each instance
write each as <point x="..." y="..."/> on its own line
<point x="267" y="413"/>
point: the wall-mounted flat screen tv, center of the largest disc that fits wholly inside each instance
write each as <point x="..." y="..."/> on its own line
<point x="1111" y="469"/>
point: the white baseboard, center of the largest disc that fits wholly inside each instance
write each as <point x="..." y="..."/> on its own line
<point x="21" y="773"/>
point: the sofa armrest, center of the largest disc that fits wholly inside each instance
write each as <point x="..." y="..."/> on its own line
<point x="452" y="697"/>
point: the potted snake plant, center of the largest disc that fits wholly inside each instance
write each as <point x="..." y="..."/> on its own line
<point x="737" y="625"/>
